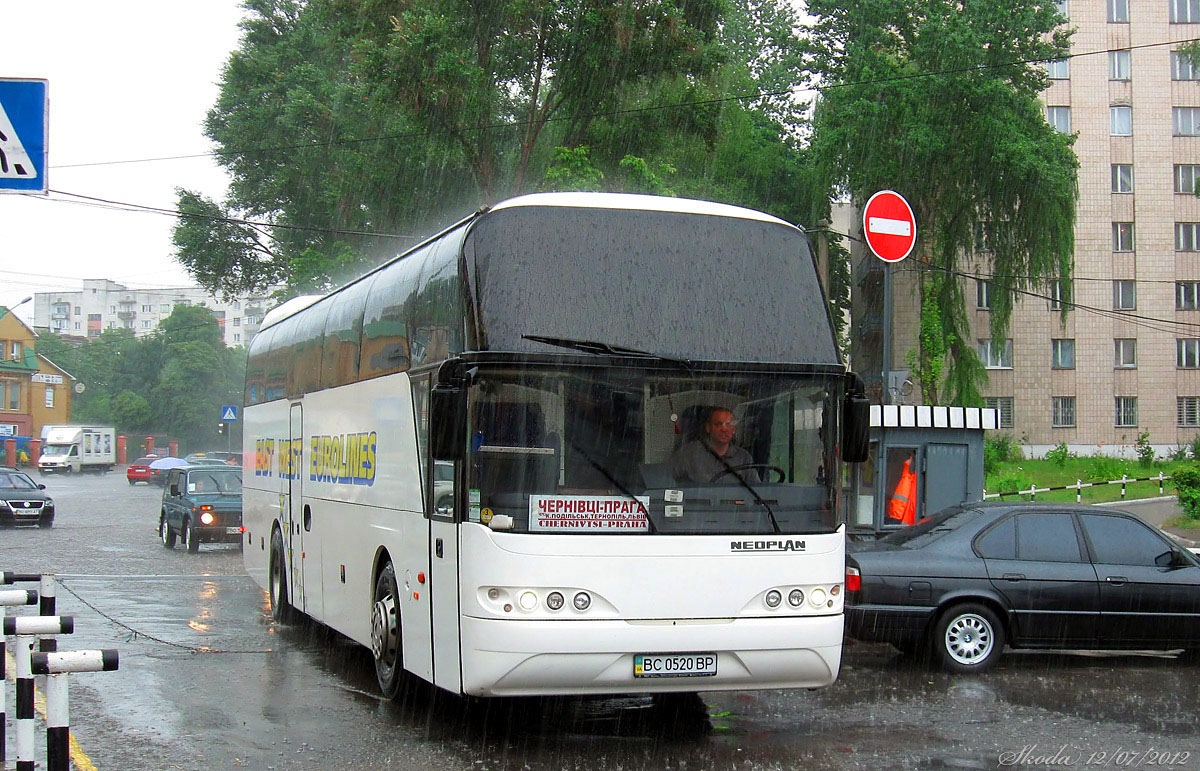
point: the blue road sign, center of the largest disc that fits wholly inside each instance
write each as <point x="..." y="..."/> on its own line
<point x="228" y="413"/>
<point x="24" y="118"/>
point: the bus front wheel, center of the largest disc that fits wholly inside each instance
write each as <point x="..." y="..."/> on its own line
<point x="385" y="633"/>
<point x="281" y="609"/>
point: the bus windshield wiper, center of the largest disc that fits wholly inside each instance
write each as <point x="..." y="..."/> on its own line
<point x="597" y="347"/>
<point x="757" y="498"/>
<point x="650" y="526"/>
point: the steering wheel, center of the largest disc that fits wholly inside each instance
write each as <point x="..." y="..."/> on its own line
<point x="746" y="466"/>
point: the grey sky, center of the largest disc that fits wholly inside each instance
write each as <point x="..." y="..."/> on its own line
<point x="128" y="80"/>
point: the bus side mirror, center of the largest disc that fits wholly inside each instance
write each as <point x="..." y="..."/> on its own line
<point x="856" y="428"/>
<point x="447" y="423"/>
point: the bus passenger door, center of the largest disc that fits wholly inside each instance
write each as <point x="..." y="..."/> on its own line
<point x="443" y="569"/>
<point x="305" y="562"/>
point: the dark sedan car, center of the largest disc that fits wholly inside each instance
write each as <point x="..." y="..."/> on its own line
<point x="23" y="501"/>
<point x="971" y="578"/>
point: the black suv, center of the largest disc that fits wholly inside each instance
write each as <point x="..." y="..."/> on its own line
<point x="201" y="504"/>
<point x="23" y="501"/>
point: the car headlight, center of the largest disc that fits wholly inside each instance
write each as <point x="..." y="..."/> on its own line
<point x="207" y="518"/>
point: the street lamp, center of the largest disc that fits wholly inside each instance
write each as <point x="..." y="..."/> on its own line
<point x="18" y="305"/>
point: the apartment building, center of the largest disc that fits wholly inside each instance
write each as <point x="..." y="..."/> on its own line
<point x="1126" y="359"/>
<point x="104" y="304"/>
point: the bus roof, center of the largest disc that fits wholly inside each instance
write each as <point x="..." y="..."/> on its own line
<point x="637" y="202"/>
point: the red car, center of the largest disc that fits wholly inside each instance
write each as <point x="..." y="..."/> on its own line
<point x="140" y="471"/>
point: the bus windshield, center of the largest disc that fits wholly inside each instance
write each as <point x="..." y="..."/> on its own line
<point x="604" y="450"/>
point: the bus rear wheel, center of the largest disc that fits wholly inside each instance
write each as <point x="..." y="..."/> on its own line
<point x="281" y="608"/>
<point x="385" y="633"/>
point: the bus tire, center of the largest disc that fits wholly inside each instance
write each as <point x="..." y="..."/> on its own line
<point x="385" y="632"/>
<point x="281" y="608"/>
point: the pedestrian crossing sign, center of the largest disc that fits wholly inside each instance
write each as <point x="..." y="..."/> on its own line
<point x="24" y="119"/>
<point x="228" y="413"/>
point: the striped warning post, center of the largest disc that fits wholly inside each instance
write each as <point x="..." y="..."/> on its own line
<point x="26" y="629"/>
<point x="8" y="597"/>
<point x="56" y="667"/>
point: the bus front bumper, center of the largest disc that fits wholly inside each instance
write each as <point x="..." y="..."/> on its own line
<point x="527" y="658"/>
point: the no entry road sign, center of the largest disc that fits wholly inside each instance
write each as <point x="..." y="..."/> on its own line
<point x="889" y="226"/>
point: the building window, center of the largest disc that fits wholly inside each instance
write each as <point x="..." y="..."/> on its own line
<point x="1122" y="236"/>
<point x="1183" y="68"/>
<point x="1059" y="290"/>
<point x="1120" y="120"/>
<point x="1059" y="118"/>
<point x="77" y="309"/>
<point x="1186" y="121"/>
<point x="1186" y="175"/>
<point x="1119" y="65"/>
<point x="1187" y="293"/>
<point x="1064" y="411"/>
<point x="77" y="325"/>
<point x="14" y="350"/>
<point x="1061" y="7"/>
<point x="1062" y="354"/>
<point x="49" y="396"/>
<point x="1122" y="177"/>
<point x="164" y="308"/>
<point x="14" y="395"/>
<point x="1187" y="353"/>
<point x="996" y="356"/>
<point x="1187" y="236"/>
<point x="1187" y="411"/>
<point x="1003" y="405"/>
<point x="983" y="294"/>
<point x="146" y="324"/>
<point x="1124" y="295"/>
<point x="237" y="321"/>
<point x="147" y="308"/>
<point x="1058" y="69"/>
<point x="1185" y="11"/>
<point x="1118" y="11"/>
<point x="237" y="338"/>
<point x="1125" y="353"/>
<point x="1126" y="411"/>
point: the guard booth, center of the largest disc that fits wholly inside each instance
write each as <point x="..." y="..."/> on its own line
<point x="923" y="458"/>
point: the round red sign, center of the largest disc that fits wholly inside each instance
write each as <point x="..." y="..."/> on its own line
<point x="889" y="226"/>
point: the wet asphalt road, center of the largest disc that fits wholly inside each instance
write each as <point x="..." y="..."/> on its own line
<point x="207" y="681"/>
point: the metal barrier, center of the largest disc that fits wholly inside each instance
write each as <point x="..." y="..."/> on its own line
<point x="8" y="597"/>
<point x="1080" y="484"/>
<point x="58" y="711"/>
<point x="40" y="631"/>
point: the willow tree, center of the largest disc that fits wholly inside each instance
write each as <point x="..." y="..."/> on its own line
<point x="938" y="100"/>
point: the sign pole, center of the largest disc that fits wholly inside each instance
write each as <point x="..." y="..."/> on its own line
<point x="886" y="397"/>
<point x="890" y="230"/>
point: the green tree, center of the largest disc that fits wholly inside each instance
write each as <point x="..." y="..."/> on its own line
<point x="939" y="101"/>
<point x="354" y="126"/>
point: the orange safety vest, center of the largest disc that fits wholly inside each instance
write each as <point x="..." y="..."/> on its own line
<point x="903" y="505"/>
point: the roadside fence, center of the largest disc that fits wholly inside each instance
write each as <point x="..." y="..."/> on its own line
<point x="41" y="631"/>
<point x="1124" y="481"/>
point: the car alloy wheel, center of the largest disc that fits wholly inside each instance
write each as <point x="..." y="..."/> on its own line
<point x="969" y="638"/>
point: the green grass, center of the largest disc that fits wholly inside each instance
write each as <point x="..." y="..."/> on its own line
<point x="1020" y="474"/>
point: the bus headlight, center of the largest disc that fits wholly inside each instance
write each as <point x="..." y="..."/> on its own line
<point x="816" y="598"/>
<point x="582" y="601"/>
<point x="528" y="600"/>
<point x="773" y="598"/>
<point x="554" y="601"/>
<point x="795" y="598"/>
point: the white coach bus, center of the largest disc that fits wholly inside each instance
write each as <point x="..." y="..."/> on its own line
<point x="574" y="444"/>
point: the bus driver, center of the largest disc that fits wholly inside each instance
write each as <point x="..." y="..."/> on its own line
<point x="707" y="460"/>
